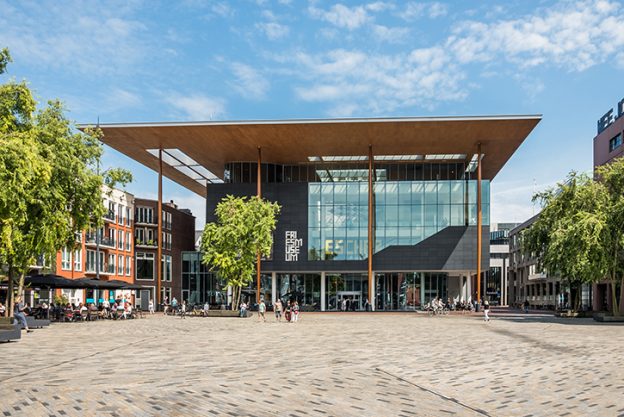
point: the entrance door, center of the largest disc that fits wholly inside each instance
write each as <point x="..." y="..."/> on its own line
<point x="145" y="297"/>
<point x="353" y="300"/>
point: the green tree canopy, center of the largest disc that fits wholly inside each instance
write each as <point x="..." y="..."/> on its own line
<point x="49" y="191"/>
<point x="578" y="234"/>
<point x="244" y="229"/>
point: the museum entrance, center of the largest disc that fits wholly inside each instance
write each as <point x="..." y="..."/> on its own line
<point x="350" y="300"/>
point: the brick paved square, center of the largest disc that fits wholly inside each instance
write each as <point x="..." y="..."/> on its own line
<point x="326" y="365"/>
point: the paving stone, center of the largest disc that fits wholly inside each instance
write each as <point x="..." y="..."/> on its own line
<point x="327" y="364"/>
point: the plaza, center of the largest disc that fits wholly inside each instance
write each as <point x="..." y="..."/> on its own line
<point x="328" y="364"/>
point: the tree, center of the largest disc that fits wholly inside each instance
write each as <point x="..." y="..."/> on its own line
<point x="244" y="229"/>
<point x="49" y="191"/>
<point x="611" y="177"/>
<point x="568" y="237"/>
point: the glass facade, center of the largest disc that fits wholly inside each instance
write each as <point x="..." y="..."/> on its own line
<point x="200" y="283"/>
<point x="406" y="212"/>
<point x="346" y="291"/>
<point x="305" y="288"/>
<point x="409" y="290"/>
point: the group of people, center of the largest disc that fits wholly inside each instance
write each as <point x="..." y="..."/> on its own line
<point x="290" y="311"/>
<point x="437" y="305"/>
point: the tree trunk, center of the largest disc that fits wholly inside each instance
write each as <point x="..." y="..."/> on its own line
<point x="577" y="299"/>
<point x="614" y="301"/>
<point x="238" y="299"/>
<point x="10" y="300"/>
<point x="20" y="286"/>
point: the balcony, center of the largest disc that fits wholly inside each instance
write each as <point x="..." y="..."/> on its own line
<point x="91" y="240"/>
<point x="145" y="243"/>
<point x="109" y="216"/>
<point x="153" y="221"/>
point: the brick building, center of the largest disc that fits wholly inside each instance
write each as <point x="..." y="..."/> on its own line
<point x="178" y="235"/>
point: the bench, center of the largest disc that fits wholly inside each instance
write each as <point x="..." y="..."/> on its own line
<point x="9" y="331"/>
<point x="34" y="323"/>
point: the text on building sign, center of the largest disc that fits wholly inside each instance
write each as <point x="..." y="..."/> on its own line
<point x="608" y="118"/>
<point x="293" y="246"/>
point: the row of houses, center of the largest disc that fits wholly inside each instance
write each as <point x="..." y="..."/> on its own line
<point x="125" y="248"/>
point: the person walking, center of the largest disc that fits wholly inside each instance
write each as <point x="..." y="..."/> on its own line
<point x="18" y="313"/>
<point x="295" y="313"/>
<point x="278" y="310"/>
<point x="526" y="306"/>
<point x="183" y="312"/>
<point x="486" y="311"/>
<point x="261" y="310"/>
<point x="151" y="306"/>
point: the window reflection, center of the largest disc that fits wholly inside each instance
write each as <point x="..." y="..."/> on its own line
<point x="406" y="212"/>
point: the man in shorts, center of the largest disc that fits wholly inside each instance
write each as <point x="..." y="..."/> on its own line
<point x="278" y="310"/>
<point x="261" y="311"/>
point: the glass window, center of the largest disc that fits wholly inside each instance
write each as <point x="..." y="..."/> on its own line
<point x="431" y="195"/>
<point x="78" y="260"/>
<point x="66" y="259"/>
<point x="392" y="193"/>
<point x="405" y="192"/>
<point x="145" y="268"/>
<point x="444" y="192"/>
<point x="615" y="142"/>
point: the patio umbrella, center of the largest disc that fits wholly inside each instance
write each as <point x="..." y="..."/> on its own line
<point x="93" y="283"/>
<point x="51" y="281"/>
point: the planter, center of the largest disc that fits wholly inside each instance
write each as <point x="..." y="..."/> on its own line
<point x="225" y="313"/>
<point x="571" y="314"/>
<point x="608" y="318"/>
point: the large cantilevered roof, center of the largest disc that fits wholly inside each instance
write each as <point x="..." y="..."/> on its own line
<point x="195" y="153"/>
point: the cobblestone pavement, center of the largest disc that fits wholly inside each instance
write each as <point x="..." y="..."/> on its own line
<point x="350" y="364"/>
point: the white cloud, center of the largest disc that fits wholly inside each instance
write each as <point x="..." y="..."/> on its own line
<point x="388" y="34"/>
<point x="273" y="30"/>
<point x="575" y="36"/>
<point x="198" y="107"/>
<point x="380" y="83"/>
<point x="342" y="16"/>
<point x="415" y="10"/>
<point x="249" y="82"/>
<point x="95" y="40"/>
<point x="222" y="9"/>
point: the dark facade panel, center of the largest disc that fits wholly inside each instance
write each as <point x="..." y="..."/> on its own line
<point x="453" y="248"/>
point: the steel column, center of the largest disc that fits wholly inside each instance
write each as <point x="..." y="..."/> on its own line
<point x="370" y="227"/>
<point x="479" y="225"/>
<point x="259" y="196"/>
<point x="159" y="237"/>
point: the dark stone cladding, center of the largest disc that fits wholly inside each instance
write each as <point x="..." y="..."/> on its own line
<point x="453" y="248"/>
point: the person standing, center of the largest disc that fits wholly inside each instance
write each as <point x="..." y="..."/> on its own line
<point x="151" y="306"/>
<point x="486" y="311"/>
<point x="526" y="306"/>
<point x="183" y="313"/>
<point x="261" y="310"/>
<point x="18" y="313"/>
<point x="278" y="310"/>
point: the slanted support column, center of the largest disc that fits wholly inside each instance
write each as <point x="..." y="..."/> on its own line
<point x="323" y="292"/>
<point x="479" y="225"/>
<point x="371" y="287"/>
<point x="159" y="237"/>
<point x="259" y="196"/>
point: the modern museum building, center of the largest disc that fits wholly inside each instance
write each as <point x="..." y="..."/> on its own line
<point x="385" y="212"/>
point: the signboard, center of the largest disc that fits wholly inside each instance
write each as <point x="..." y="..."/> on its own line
<point x="293" y="246"/>
<point x="606" y="120"/>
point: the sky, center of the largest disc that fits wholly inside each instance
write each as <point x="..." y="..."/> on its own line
<point x="192" y="60"/>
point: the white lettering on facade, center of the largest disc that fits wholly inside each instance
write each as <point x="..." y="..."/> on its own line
<point x="608" y="118"/>
<point x="293" y="246"/>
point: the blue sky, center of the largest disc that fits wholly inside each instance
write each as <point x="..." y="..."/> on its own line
<point x="141" y="61"/>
